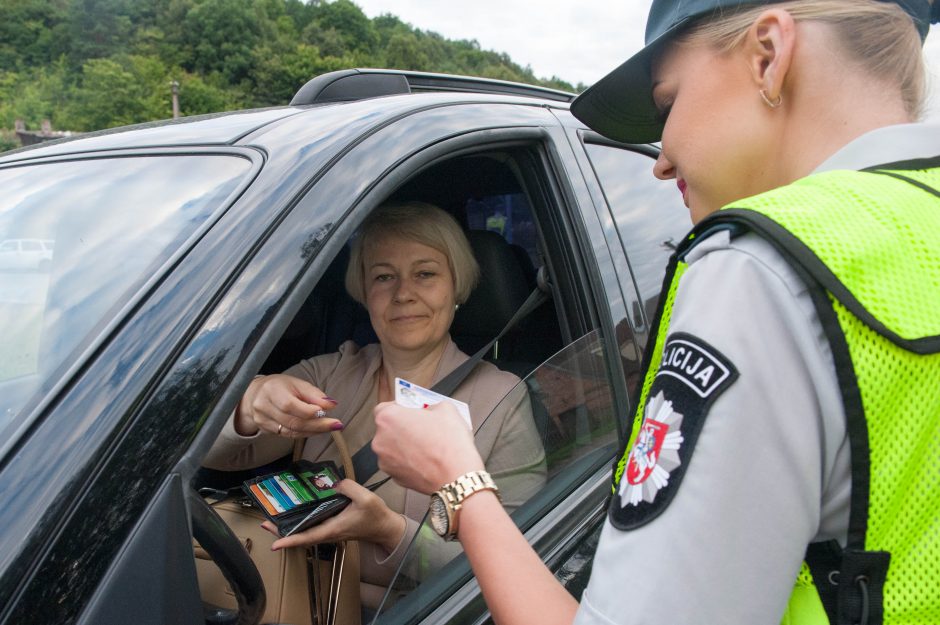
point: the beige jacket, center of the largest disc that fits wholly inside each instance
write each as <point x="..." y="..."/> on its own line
<point x="509" y="444"/>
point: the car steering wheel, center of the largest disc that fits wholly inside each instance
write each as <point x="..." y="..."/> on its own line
<point x="236" y="565"/>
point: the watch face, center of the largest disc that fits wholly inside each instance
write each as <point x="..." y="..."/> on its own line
<point x="438" y="514"/>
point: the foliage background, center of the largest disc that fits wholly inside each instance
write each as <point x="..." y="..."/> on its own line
<point x="92" y="64"/>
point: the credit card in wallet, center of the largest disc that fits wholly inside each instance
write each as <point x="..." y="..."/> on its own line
<point x="414" y="396"/>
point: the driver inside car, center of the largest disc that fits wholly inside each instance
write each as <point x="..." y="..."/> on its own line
<point x="411" y="266"/>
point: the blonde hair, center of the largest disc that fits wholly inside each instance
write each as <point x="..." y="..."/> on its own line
<point x="879" y="36"/>
<point x="425" y="224"/>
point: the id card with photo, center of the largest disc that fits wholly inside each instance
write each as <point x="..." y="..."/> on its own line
<point x="413" y="396"/>
<point x="320" y="481"/>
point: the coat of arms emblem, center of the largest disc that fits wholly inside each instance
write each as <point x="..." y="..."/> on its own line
<point x="654" y="455"/>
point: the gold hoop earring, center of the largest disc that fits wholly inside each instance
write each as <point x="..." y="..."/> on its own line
<point x="771" y="103"/>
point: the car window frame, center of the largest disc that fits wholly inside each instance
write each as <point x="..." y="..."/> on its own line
<point x="573" y="266"/>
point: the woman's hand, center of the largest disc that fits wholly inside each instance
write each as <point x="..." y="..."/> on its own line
<point x="286" y="406"/>
<point x="366" y="518"/>
<point x="423" y="449"/>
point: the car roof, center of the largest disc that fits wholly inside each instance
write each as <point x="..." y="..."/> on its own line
<point x="351" y="94"/>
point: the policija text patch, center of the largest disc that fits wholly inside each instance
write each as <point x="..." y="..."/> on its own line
<point x="691" y="375"/>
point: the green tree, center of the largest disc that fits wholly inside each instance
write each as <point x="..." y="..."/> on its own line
<point x="171" y="44"/>
<point x="101" y="28"/>
<point x="33" y="95"/>
<point x="301" y="12"/>
<point x="89" y="64"/>
<point x="355" y="29"/>
<point x="30" y="32"/>
<point x="118" y="91"/>
<point x="279" y="74"/>
<point x="404" y="51"/>
<point x="221" y="35"/>
<point x="198" y="96"/>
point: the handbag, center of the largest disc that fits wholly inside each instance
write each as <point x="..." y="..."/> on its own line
<point x="304" y="586"/>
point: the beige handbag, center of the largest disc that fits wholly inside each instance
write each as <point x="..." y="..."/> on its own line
<point x="316" y="586"/>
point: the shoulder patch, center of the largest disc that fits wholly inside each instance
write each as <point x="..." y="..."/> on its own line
<point x="691" y="375"/>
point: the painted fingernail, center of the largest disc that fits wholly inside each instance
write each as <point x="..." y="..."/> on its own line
<point x="337" y="426"/>
<point x="330" y="399"/>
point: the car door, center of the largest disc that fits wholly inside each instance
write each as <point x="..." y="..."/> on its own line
<point x="581" y="426"/>
<point x="99" y="502"/>
<point x="579" y="394"/>
<point x="620" y="228"/>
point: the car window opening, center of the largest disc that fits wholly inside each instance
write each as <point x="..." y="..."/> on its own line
<point x="564" y="380"/>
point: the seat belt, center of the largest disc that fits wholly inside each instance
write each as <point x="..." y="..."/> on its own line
<point x="366" y="463"/>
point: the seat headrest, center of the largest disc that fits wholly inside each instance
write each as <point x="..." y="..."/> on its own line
<point x="501" y="291"/>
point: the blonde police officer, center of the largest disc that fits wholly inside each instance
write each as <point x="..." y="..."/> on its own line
<point x="786" y="446"/>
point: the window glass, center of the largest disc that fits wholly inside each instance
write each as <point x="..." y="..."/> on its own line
<point x="114" y="223"/>
<point x="569" y="400"/>
<point x="650" y="215"/>
<point x="508" y="215"/>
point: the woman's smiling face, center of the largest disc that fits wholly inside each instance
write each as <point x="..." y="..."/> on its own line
<point x="409" y="294"/>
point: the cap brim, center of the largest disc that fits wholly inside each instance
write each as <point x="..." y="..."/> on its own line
<point x="620" y="105"/>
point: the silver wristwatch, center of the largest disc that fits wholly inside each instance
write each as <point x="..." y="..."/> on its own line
<point x="446" y="503"/>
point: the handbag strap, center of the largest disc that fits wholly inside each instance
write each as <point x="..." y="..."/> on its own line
<point x="349" y="469"/>
<point x="346" y="460"/>
<point x="365" y="461"/>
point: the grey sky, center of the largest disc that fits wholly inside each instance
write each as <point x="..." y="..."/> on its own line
<point x="575" y="41"/>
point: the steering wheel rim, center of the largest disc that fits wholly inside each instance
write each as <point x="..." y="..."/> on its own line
<point x="230" y="556"/>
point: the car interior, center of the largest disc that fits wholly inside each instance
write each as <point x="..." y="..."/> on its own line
<point x="492" y="197"/>
<point x="472" y="189"/>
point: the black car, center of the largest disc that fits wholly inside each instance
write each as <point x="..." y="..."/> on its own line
<point x="190" y="255"/>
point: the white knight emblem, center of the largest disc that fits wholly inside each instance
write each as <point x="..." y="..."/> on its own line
<point x="654" y="455"/>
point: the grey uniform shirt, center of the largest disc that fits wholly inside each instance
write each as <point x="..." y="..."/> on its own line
<point x="771" y="470"/>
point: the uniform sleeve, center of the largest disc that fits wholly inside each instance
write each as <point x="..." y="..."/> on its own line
<point x="728" y="546"/>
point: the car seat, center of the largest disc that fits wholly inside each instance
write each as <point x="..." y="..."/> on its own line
<point x="503" y="289"/>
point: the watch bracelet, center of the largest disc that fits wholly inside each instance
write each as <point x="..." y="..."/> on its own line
<point x="468" y="484"/>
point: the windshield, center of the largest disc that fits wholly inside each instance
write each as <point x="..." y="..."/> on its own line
<point x="77" y="241"/>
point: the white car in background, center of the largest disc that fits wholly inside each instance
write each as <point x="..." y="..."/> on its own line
<point x="28" y="254"/>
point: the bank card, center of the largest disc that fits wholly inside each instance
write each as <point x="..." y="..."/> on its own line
<point x="270" y="498"/>
<point x="297" y="486"/>
<point x="279" y="497"/>
<point x="414" y="396"/>
<point x="263" y="500"/>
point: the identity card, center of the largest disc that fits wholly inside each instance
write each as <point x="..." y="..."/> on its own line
<point x="414" y="396"/>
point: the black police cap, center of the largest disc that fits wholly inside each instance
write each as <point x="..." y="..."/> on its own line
<point x="620" y="105"/>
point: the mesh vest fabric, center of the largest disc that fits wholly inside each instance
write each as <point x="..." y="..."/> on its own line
<point x="879" y="234"/>
<point x="673" y="273"/>
<point x="874" y="237"/>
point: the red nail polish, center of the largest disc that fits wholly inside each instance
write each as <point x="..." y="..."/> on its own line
<point x="330" y="399"/>
<point x="337" y="426"/>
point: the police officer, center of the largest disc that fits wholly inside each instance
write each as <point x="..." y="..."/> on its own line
<point x="785" y="453"/>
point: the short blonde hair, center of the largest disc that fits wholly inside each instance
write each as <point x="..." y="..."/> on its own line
<point x="423" y="223"/>
<point x="879" y="36"/>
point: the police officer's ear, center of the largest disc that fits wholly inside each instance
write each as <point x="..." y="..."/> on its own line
<point x="769" y="47"/>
